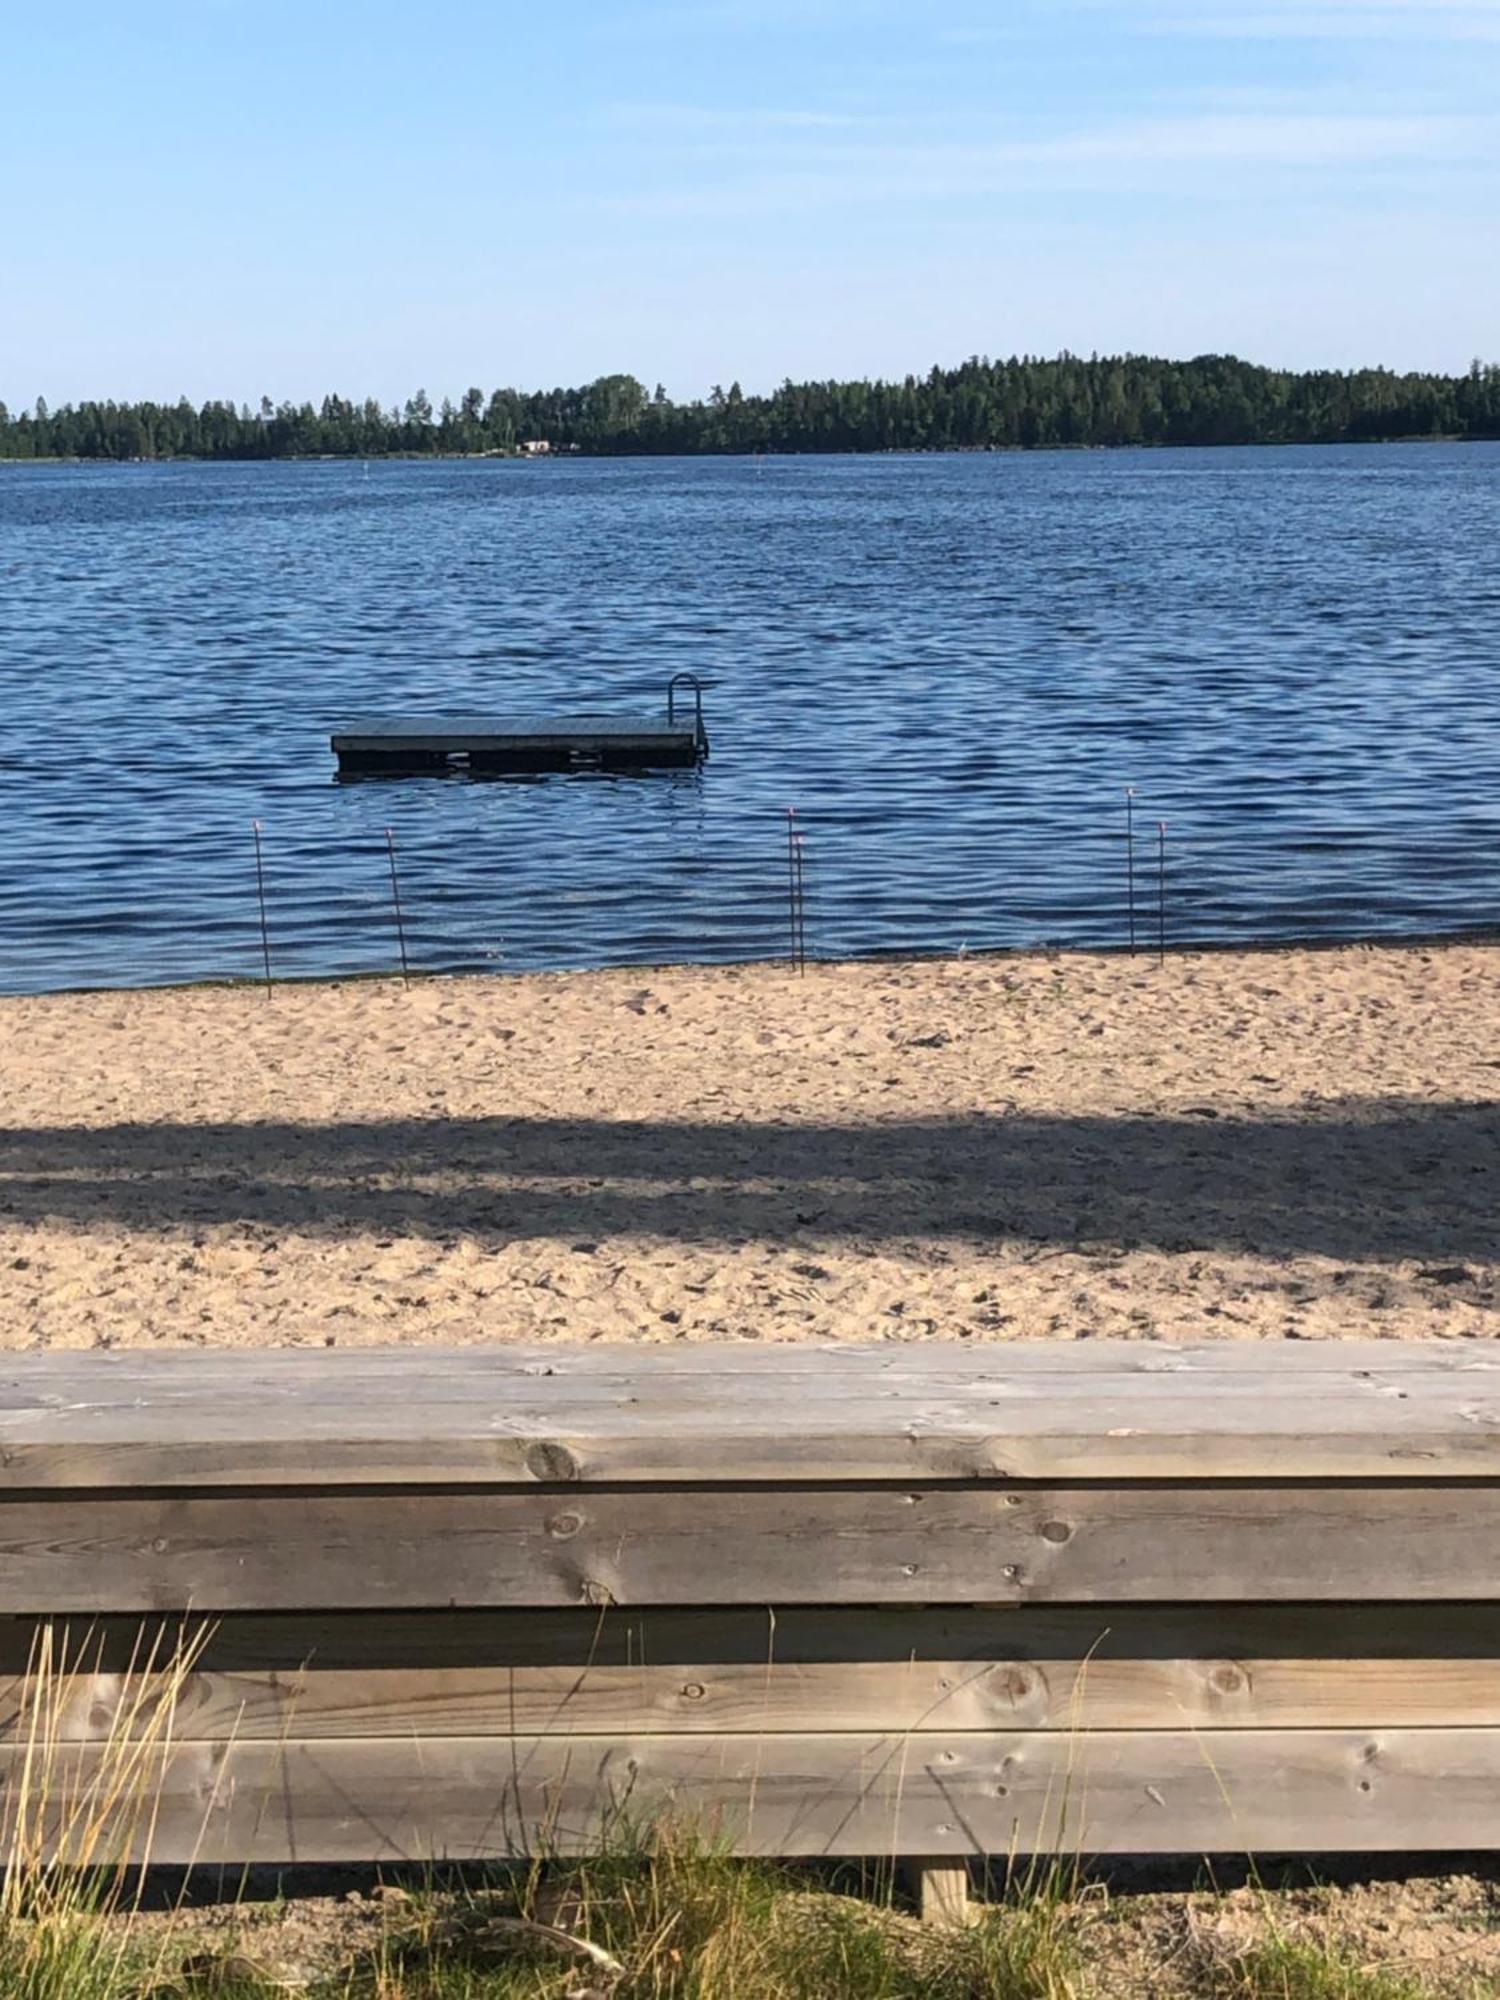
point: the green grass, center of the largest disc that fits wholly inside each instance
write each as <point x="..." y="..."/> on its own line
<point x="677" y="1922"/>
<point x="1287" y="1969"/>
<point x="683" y="1922"/>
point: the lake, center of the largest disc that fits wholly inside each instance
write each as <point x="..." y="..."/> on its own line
<point x="951" y="667"/>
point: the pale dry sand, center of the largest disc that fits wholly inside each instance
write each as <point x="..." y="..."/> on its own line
<point x="1241" y="1145"/>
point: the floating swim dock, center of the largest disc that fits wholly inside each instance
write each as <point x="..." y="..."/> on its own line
<point x="484" y="745"/>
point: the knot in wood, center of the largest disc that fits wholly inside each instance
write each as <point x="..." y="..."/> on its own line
<point x="1056" y="1531"/>
<point x="563" y="1527"/>
<point x="552" y="1464"/>
<point x="1013" y="1683"/>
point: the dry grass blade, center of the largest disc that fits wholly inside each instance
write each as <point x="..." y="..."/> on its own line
<point x="509" y="1930"/>
<point x="81" y="1813"/>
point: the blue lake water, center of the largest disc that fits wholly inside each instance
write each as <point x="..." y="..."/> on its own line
<point x="950" y="666"/>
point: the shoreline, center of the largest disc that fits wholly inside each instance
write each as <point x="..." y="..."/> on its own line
<point x="1477" y="936"/>
<point x="1280" y="1143"/>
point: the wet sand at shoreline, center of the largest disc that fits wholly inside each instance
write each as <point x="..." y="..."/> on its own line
<point x="1249" y="1145"/>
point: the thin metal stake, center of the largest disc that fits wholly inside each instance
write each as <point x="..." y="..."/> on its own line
<point x="260" y="890"/>
<point x="1161" y="892"/>
<point x="791" y="878"/>
<point x="801" y="908"/>
<point x="1130" y="858"/>
<point x="390" y="848"/>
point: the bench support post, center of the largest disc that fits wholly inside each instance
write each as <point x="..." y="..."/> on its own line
<point x="942" y="1892"/>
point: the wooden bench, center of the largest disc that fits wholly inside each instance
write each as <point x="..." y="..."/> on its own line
<point x="932" y="1600"/>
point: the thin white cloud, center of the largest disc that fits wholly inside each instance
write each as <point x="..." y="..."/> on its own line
<point x="1206" y="154"/>
<point x="1261" y="136"/>
<point x="1289" y="139"/>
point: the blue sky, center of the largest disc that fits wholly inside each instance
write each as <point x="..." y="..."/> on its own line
<point x="237" y="197"/>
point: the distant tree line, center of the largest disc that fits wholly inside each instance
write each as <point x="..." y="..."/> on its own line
<point x="1022" y="403"/>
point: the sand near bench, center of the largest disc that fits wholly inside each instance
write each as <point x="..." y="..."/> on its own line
<point x="1247" y="1145"/>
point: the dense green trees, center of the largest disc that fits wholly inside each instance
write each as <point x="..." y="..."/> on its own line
<point x="1023" y="403"/>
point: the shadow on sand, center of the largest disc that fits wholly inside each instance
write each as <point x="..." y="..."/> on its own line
<point x="1371" y="1180"/>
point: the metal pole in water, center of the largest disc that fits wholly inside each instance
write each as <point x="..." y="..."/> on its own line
<point x="260" y="890"/>
<point x="1130" y="858"/>
<point x="1161" y="892"/>
<point x="390" y="848"/>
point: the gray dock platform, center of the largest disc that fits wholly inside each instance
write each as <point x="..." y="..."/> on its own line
<point x="414" y="746"/>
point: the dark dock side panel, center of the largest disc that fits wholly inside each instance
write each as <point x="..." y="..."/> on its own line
<point x="395" y="746"/>
<point x="523" y="743"/>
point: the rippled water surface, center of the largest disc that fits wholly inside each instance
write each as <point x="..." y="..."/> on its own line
<point x="951" y="666"/>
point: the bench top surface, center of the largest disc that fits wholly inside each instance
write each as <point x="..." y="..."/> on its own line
<point x="727" y="1413"/>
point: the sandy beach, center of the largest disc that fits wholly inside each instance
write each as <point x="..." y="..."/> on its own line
<point x="1243" y="1145"/>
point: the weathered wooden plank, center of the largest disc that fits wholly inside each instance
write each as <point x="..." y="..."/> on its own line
<point x="346" y="1550"/>
<point x="970" y="1357"/>
<point x="1136" y="1792"/>
<point x="868" y="1360"/>
<point x="365" y="1674"/>
<point x="966" y="1360"/>
<point x="1094" y="1410"/>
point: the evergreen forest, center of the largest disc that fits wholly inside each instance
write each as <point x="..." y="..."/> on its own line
<point x="1022" y="403"/>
